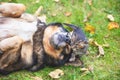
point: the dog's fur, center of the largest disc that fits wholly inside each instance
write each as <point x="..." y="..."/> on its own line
<point x="34" y="53"/>
<point x="12" y="9"/>
<point x="56" y="45"/>
<point x="16" y="44"/>
<point x="48" y="48"/>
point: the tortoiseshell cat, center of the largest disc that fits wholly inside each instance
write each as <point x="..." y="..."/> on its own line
<point x="79" y="42"/>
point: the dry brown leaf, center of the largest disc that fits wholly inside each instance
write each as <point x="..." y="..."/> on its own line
<point x="110" y="17"/>
<point x="68" y="14"/>
<point x="56" y="73"/>
<point x="89" y="14"/>
<point x="84" y="69"/>
<point x="54" y="14"/>
<point x="36" y="78"/>
<point x="37" y="13"/>
<point x="89" y="28"/>
<point x="113" y="25"/>
<point x="101" y="51"/>
<point x="100" y="47"/>
<point x="89" y="2"/>
<point x="93" y="42"/>
<point x="90" y="68"/>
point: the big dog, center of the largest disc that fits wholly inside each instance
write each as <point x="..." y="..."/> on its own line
<point x="32" y="45"/>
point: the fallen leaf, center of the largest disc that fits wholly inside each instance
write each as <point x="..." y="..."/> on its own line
<point x="54" y="14"/>
<point x="56" y="0"/>
<point x="107" y="36"/>
<point x="89" y="14"/>
<point x="110" y="17"/>
<point x="89" y="28"/>
<point x="56" y="73"/>
<point x="68" y="14"/>
<point x="96" y="44"/>
<point x="37" y="12"/>
<point x="93" y="42"/>
<point x="101" y="51"/>
<point x="37" y="1"/>
<point x="36" y="78"/>
<point x="90" y="68"/>
<point x="100" y="47"/>
<point x="113" y="25"/>
<point x="89" y="2"/>
<point x="84" y="69"/>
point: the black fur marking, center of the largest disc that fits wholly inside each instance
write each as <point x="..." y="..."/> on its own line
<point x="38" y="51"/>
<point x="50" y="61"/>
<point x="58" y="24"/>
<point x="77" y="32"/>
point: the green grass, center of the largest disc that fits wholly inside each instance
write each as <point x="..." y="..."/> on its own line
<point x="106" y="67"/>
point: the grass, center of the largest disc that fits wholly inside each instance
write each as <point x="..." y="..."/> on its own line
<point x="106" y="67"/>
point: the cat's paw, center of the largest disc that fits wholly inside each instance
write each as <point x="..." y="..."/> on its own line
<point x="72" y="59"/>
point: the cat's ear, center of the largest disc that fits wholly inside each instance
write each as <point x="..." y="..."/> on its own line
<point x="71" y="25"/>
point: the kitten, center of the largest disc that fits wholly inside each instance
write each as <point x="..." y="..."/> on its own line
<point x="79" y="42"/>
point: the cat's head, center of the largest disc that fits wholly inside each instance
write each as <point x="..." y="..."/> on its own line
<point x="80" y="47"/>
<point x="79" y="42"/>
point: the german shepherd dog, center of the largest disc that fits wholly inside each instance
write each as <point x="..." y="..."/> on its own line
<point x="30" y="46"/>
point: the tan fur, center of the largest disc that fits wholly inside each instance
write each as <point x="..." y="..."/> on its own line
<point x="46" y="43"/>
<point x="10" y="47"/>
<point x="12" y="9"/>
<point x="10" y="43"/>
<point x="16" y="43"/>
<point x="27" y="52"/>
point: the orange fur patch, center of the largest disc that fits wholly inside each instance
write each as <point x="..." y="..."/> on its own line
<point x="49" y="31"/>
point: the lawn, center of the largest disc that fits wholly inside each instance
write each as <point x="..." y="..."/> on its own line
<point x="105" y="67"/>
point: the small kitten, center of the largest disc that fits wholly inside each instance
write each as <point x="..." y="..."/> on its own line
<point x="79" y="42"/>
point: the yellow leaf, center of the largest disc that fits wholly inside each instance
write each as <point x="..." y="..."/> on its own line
<point x="113" y="25"/>
<point x="90" y="28"/>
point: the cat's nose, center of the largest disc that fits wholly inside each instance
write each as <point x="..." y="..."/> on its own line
<point x="86" y="41"/>
<point x="67" y="40"/>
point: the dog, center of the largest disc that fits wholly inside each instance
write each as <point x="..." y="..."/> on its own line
<point x="38" y="45"/>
